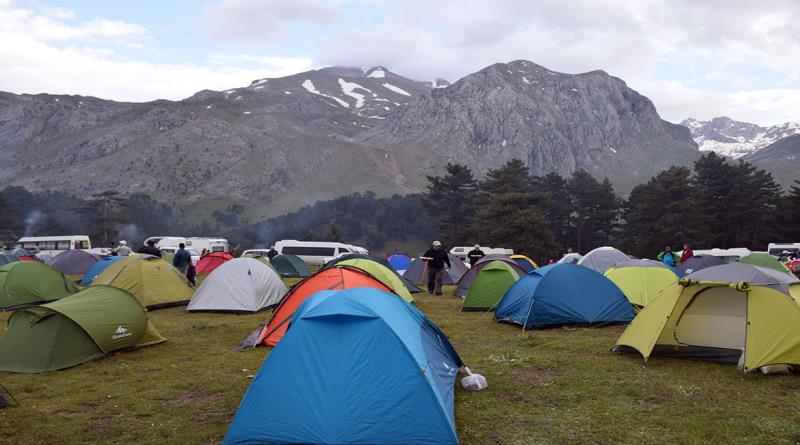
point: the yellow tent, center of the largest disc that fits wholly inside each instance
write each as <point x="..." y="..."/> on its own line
<point x="753" y="323"/>
<point x="381" y="273"/>
<point x="153" y="281"/>
<point x="641" y="280"/>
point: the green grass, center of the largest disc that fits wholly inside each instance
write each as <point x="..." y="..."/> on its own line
<point x="545" y="386"/>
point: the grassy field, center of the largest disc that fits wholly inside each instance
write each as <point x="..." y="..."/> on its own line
<point x="545" y="386"/>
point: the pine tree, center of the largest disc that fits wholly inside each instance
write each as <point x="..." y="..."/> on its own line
<point x="510" y="213"/>
<point x="451" y="199"/>
<point x="557" y="206"/>
<point x="106" y="209"/>
<point x="713" y="181"/>
<point x="595" y="211"/>
<point x="9" y="217"/>
<point x="789" y="214"/>
<point x="661" y="212"/>
<point x="333" y="233"/>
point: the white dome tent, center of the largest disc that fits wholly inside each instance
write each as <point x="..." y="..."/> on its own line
<point x="603" y="258"/>
<point x="239" y="285"/>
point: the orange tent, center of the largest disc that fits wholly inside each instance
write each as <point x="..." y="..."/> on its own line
<point x="213" y="260"/>
<point x="335" y="278"/>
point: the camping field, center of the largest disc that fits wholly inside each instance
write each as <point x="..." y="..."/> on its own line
<point x="545" y="386"/>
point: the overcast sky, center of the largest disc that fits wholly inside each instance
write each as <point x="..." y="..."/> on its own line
<point x="692" y="58"/>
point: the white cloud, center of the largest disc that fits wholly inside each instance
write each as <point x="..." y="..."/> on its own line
<point x="42" y="54"/>
<point x="739" y="43"/>
<point x="263" y="20"/>
<point x="675" y="102"/>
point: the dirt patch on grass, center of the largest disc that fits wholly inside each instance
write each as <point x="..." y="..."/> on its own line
<point x="196" y="395"/>
<point x="650" y="402"/>
<point x="532" y="377"/>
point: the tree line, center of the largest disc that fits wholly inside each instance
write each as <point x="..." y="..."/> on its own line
<point x="717" y="203"/>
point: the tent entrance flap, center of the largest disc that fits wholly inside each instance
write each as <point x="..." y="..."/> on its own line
<point x="715" y="318"/>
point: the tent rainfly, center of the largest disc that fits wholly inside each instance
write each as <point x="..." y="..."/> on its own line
<point x="239" y="285"/>
<point x="373" y="369"/>
<point x="82" y="327"/>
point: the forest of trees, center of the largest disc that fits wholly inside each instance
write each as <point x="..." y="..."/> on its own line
<point x="717" y="203"/>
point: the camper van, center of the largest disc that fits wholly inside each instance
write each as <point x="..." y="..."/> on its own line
<point x="316" y="252"/>
<point x="53" y="245"/>
<point x="462" y="251"/>
<point x="776" y="249"/>
<point x="197" y="243"/>
<point x="166" y="241"/>
<point x="727" y="255"/>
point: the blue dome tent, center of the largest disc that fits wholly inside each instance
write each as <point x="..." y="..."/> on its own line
<point x="97" y="268"/>
<point x="399" y="262"/>
<point x="560" y="294"/>
<point x="355" y="366"/>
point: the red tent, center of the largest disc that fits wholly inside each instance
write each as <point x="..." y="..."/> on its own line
<point x="334" y="278"/>
<point x="208" y="263"/>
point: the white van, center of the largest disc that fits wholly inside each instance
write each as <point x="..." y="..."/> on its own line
<point x="166" y="241"/>
<point x="727" y="255"/>
<point x="316" y="252"/>
<point x="255" y="253"/>
<point x="209" y="244"/>
<point x="53" y="245"/>
<point x="776" y="249"/>
<point x="462" y="251"/>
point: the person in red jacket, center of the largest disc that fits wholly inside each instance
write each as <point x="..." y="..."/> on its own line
<point x="687" y="253"/>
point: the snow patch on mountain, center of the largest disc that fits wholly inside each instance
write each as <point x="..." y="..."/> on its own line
<point x="396" y="89"/>
<point x="377" y="73"/>
<point x="309" y="86"/>
<point x="348" y="89"/>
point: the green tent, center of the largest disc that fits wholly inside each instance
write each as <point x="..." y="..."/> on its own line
<point x="764" y="259"/>
<point x="288" y="265"/>
<point x="489" y="286"/>
<point x="30" y="282"/>
<point x="82" y="327"/>
<point x="382" y="274"/>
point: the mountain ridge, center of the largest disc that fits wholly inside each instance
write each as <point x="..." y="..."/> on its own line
<point x="280" y="143"/>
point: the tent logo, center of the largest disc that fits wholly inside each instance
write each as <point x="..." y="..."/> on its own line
<point x="121" y="332"/>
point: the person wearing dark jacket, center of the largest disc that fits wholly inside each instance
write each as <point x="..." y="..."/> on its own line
<point x="182" y="258"/>
<point x="436" y="258"/>
<point x="272" y="253"/>
<point x="474" y="255"/>
<point x="150" y="249"/>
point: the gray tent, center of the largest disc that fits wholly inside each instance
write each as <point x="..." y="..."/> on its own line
<point x="698" y="262"/>
<point x="417" y="272"/>
<point x="469" y="276"/>
<point x="738" y="272"/>
<point x="603" y="258"/>
<point x="239" y="285"/>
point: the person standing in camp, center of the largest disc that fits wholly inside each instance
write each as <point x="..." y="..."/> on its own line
<point x="475" y="254"/>
<point x="123" y="249"/>
<point x="191" y="274"/>
<point x="668" y="257"/>
<point x="687" y="253"/>
<point x="150" y="249"/>
<point x="182" y="258"/>
<point x="436" y="258"/>
<point x="272" y="253"/>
